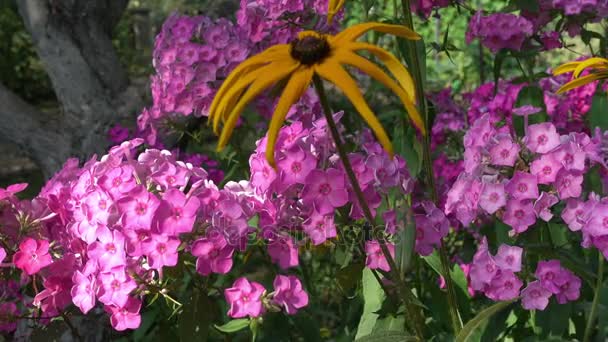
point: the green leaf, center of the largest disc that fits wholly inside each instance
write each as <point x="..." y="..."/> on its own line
<point x="234" y="325"/>
<point x="597" y="114"/>
<point x="373" y="295"/>
<point x="554" y="319"/>
<point x="558" y="233"/>
<point x="195" y="318"/>
<point x="387" y="336"/>
<point x="526" y="5"/>
<point x="498" y="60"/>
<point x="469" y="328"/>
<point x="456" y="273"/>
<point x="348" y="277"/>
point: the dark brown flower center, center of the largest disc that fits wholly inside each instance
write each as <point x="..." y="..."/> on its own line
<point x="310" y="50"/>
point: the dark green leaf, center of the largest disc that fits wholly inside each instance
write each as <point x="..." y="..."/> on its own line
<point x="469" y="328"/>
<point x="387" y="336"/>
<point x="554" y="319"/>
<point x="498" y="60"/>
<point x="598" y="115"/>
<point x="406" y="237"/>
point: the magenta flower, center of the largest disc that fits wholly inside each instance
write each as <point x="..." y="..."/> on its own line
<point x="519" y="215"/>
<point x="245" y="298"/>
<point x="161" y="250"/>
<point x="493" y="197"/>
<point x="522" y="186"/>
<point x="542" y="137"/>
<point x="570" y="156"/>
<point x="319" y="228"/>
<point x="138" y="208"/>
<point x="509" y="258"/>
<point x="573" y="212"/>
<point x="545" y="169"/>
<point x="431" y="227"/>
<point x="535" y="296"/>
<point x="177" y="213"/>
<point x="543" y="204"/>
<point x="483" y="268"/>
<point x="2" y="254"/>
<point x="109" y="250"/>
<point x="282" y="251"/>
<point x="597" y="225"/>
<point x="262" y="174"/>
<point x="375" y="257"/>
<point x="296" y="166"/>
<point x="213" y="255"/>
<point x="117" y="134"/>
<point x="505" y="152"/>
<point x="126" y="316"/>
<point x="325" y="190"/>
<point x="288" y="293"/>
<point x="569" y="287"/>
<point x="83" y="292"/>
<point x="11" y="190"/>
<point x="118" y="181"/>
<point x="549" y="272"/>
<point x="32" y="255"/>
<point x="569" y="184"/>
<point x="505" y="286"/>
<point x="115" y="287"/>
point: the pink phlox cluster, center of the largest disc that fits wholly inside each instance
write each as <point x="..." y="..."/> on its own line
<point x="494" y="275"/>
<point x="552" y="279"/>
<point x="542" y="158"/>
<point x="499" y="31"/>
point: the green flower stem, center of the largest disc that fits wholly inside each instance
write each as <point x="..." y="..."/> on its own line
<point x="416" y="69"/>
<point x="404" y="289"/>
<point x="596" y="299"/>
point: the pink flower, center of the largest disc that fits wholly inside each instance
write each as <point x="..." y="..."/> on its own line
<point x="126" y="316"/>
<point x="535" y="296"/>
<point x="431" y="227"/>
<point x="109" y="250"/>
<point x="505" y="152"/>
<point x="543" y="204"/>
<point x="288" y="293"/>
<point x="493" y="197"/>
<point x="283" y="252"/>
<point x="505" y="286"/>
<point x="2" y="254"/>
<point x="542" y="137"/>
<point x="213" y="255"/>
<point x="83" y="292"/>
<point x="570" y="156"/>
<point x="11" y="190"/>
<point x="115" y="287"/>
<point x="509" y="258"/>
<point x="117" y="134"/>
<point x="375" y="257"/>
<point x="245" y="298"/>
<point x="483" y="268"/>
<point x="573" y="212"/>
<point x="32" y="255"/>
<point x="138" y="208"/>
<point x="325" y="190"/>
<point x="161" y="250"/>
<point x="548" y="273"/>
<point x="597" y="225"/>
<point x="569" y="184"/>
<point x="522" y="186"/>
<point x="319" y="228"/>
<point x="545" y="169"/>
<point x="569" y="287"/>
<point x="177" y="213"/>
<point x="296" y="166"/>
<point x="118" y="181"/>
<point x="519" y="215"/>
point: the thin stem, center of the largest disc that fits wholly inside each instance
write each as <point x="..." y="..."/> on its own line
<point x="596" y="299"/>
<point x="428" y="164"/>
<point x="404" y="290"/>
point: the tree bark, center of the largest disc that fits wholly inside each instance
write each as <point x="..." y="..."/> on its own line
<point x="73" y="41"/>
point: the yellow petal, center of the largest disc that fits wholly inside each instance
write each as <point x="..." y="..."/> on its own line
<point x="335" y="73"/>
<point x="401" y="74"/>
<point x="581" y="81"/>
<point x="594" y="62"/>
<point x="565" y="68"/>
<point x="332" y="8"/>
<point x="253" y="91"/>
<point x="348" y="57"/>
<point x="295" y="87"/>
<point x="354" y="32"/>
<point x="264" y="57"/>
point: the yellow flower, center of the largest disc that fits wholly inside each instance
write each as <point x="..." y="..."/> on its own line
<point x="296" y="63"/>
<point x="598" y="65"/>
<point x="332" y="8"/>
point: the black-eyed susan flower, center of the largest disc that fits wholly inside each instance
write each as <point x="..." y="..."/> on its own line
<point x="296" y="63"/>
<point x="333" y="7"/>
<point x="598" y="67"/>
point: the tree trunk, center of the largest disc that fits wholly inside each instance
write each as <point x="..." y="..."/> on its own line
<point x="73" y="41"/>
